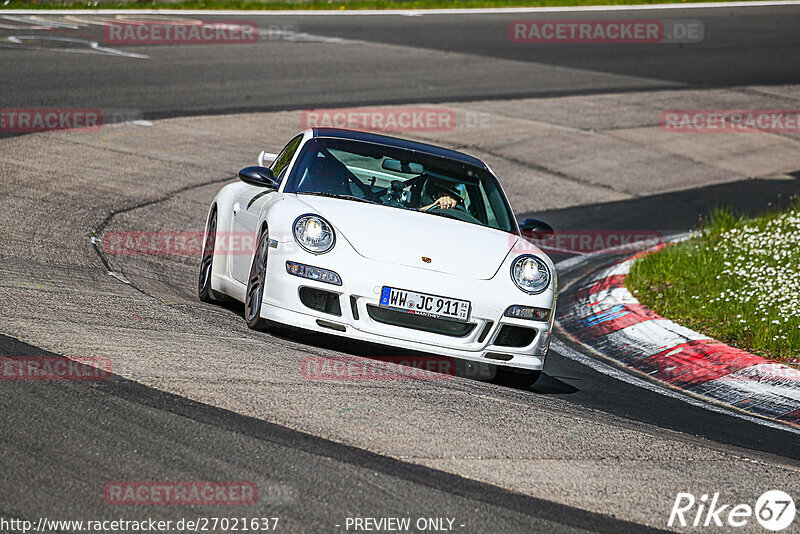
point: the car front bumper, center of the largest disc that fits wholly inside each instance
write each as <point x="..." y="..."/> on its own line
<point x="359" y="295"/>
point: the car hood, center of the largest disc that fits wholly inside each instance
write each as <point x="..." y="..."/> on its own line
<point x="405" y="237"/>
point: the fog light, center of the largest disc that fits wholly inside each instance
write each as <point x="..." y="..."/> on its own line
<point x="528" y="312"/>
<point x="313" y="273"/>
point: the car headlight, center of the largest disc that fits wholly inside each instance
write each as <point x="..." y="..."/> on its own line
<point x="530" y="274"/>
<point x="527" y="312"/>
<point x="314" y="234"/>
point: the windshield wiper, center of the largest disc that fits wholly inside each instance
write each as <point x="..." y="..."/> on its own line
<point x="334" y="195"/>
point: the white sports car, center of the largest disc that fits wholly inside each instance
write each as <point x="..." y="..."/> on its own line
<point x="383" y="240"/>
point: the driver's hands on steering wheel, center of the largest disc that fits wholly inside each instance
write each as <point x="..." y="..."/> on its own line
<point x="443" y="203"/>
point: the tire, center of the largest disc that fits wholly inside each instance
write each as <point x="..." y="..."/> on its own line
<point x="256" y="282"/>
<point x="517" y="378"/>
<point x="204" y="291"/>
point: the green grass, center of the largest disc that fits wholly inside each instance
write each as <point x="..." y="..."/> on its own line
<point x="312" y="4"/>
<point x="738" y="281"/>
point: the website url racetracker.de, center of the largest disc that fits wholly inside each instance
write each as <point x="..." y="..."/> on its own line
<point x="180" y="526"/>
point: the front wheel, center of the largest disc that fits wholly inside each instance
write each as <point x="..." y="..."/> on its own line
<point x="204" y="291"/>
<point x="256" y="282"/>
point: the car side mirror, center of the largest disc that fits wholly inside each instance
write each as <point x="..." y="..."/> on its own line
<point x="260" y="176"/>
<point x="536" y="229"/>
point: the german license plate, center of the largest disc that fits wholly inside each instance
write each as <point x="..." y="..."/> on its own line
<point x="424" y="304"/>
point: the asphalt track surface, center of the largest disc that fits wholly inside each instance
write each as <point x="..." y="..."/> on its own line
<point x="443" y="58"/>
<point x="303" y="480"/>
<point x="63" y="441"/>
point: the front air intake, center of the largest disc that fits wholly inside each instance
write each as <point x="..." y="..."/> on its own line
<point x="515" y="336"/>
<point x="419" y="322"/>
<point x="321" y="300"/>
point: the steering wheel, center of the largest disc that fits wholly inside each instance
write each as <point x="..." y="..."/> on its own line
<point x="458" y="207"/>
<point x="455" y="196"/>
<point x="458" y="212"/>
<point x="396" y="187"/>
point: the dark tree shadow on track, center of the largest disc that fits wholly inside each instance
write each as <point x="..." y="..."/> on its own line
<point x="550" y="385"/>
<point x="482" y="372"/>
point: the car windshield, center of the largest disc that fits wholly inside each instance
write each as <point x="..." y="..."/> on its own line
<point x="400" y="178"/>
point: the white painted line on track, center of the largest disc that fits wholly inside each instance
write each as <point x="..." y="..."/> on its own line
<point x="118" y="277"/>
<point x="26" y="28"/>
<point x="411" y="12"/>
<point x="93" y="46"/>
<point x="601" y="367"/>
<point x="43" y="22"/>
<point x="292" y="36"/>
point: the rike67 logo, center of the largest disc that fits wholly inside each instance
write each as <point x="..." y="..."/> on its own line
<point x="774" y="510"/>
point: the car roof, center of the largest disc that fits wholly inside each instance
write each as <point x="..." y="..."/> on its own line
<point x="341" y="133"/>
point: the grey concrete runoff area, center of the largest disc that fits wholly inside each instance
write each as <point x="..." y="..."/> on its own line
<point x="60" y="188"/>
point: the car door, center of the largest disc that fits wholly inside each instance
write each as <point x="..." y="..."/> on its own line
<point x="247" y="213"/>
